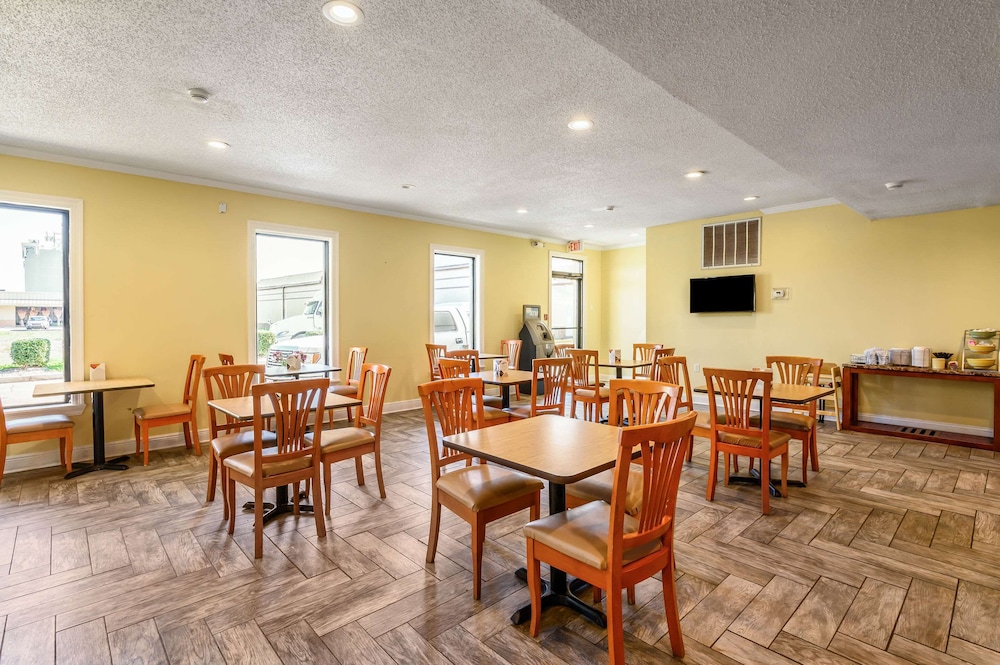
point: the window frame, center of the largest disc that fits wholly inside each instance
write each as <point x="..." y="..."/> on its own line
<point x="583" y="291"/>
<point x="74" y="405"/>
<point x="331" y="313"/>
<point x="478" y="294"/>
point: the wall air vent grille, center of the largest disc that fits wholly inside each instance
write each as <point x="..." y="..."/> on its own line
<point x="729" y="244"/>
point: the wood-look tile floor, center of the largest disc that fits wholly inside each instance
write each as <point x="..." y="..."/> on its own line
<point x="891" y="555"/>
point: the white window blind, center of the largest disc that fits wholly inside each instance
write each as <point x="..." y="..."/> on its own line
<point x="729" y="244"/>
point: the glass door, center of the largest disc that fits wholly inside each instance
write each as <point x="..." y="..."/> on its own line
<point x="567" y="300"/>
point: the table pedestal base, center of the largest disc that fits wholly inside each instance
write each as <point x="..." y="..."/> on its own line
<point x="283" y="506"/>
<point x="562" y="600"/>
<point x="754" y="479"/>
<point x="80" y="468"/>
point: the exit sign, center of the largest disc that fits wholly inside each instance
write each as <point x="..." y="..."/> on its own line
<point x="574" y="246"/>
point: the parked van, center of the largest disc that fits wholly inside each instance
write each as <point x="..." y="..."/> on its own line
<point x="309" y="322"/>
<point x="451" y="327"/>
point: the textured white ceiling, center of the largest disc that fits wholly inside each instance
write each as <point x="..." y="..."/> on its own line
<point x="791" y="101"/>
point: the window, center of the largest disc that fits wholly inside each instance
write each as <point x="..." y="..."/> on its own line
<point x="567" y="299"/>
<point x="41" y="286"/>
<point x="292" y="273"/>
<point x="456" y="304"/>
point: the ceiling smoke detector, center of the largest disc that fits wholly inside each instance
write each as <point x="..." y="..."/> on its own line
<point x="198" y="96"/>
<point x="894" y="185"/>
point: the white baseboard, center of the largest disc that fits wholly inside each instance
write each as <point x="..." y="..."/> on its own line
<point x="926" y="424"/>
<point x="50" y="458"/>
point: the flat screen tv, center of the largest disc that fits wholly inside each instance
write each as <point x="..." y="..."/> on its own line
<point x="736" y="293"/>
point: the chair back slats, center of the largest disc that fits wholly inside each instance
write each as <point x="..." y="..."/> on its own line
<point x="355" y="360"/>
<point x="295" y="404"/>
<point x="735" y="390"/>
<point x="458" y="406"/>
<point x="435" y="352"/>
<point x="662" y="447"/>
<point x="554" y="376"/>
<point x="584" y="366"/>
<point x="642" y="402"/>
<point x="470" y="356"/>
<point x="560" y="349"/>
<point x="453" y="368"/>
<point x="512" y="349"/>
<point x="193" y="377"/>
<point x="673" y="369"/>
<point x="227" y="359"/>
<point x="229" y="381"/>
<point x="376" y="379"/>
<point x="796" y="370"/>
<point x="652" y="371"/>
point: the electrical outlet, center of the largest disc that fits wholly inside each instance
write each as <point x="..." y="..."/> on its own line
<point x="779" y="294"/>
<point x="697" y="367"/>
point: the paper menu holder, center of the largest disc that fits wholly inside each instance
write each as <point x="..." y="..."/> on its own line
<point x="500" y="366"/>
<point x="615" y="356"/>
<point x="97" y="372"/>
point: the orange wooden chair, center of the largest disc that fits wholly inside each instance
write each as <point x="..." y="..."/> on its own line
<point x="604" y="545"/>
<point x="290" y="461"/>
<point x="358" y="440"/>
<point x="161" y="415"/>
<point x="355" y="359"/>
<point x="674" y="369"/>
<point x="478" y="493"/>
<point x="554" y="376"/>
<point x="736" y="432"/>
<point x="231" y="436"/>
<point x="37" y="428"/>
<point x="643" y="353"/>
<point x="227" y="359"/>
<point x="586" y="386"/>
<point x="456" y="368"/>
<point x="435" y="352"/>
<point x="512" y="347"/>
<point x="800" y="422"/>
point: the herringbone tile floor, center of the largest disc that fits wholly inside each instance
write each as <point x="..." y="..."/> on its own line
<point x="891" y="555"/>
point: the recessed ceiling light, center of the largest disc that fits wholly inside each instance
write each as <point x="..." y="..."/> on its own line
<point x="198" y="95"/>
<point x="694" y="174"/>
<point x="342" y="12"/>
<point x="588" y="226"/>
<point x="580" y="124"/>
<point x="218" y="145"/>
<point x="750" y="198"/>
<point x="408" y="186"/>
<point x="521" y="211"/>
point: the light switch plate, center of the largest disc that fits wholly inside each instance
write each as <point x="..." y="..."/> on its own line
<point x="779" y="294"/>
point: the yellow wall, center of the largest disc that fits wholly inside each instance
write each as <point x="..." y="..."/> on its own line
<point x="165" y="276"/>
<point x="853" y="284"/>
<point x="624" y="302"/>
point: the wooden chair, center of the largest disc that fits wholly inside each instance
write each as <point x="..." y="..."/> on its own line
<point x="356" y="441"/>
<point x="800" y="422"/>
<point x="230" y="437"/>
<point x="456" y="368"/>
<point x="643" y="353"/>
<point x="831" y="376"/>
<point x="661" y="352"/>
<point x="37" y="428"/>
<point x="435" y="352"/>
<point x="736" y="432"/>
<point x="226" y="359"/>
<point x="642" y="403"/>
<point x="629" y="548"/>
<point x="512" y="347"/>
<point x="674" y="369"/>
<point x="478" y="493"/>
<point x="355" y="359"/>
<point x="554" y="376"/>
<point x="291" y="460"/>
<point x="470" y="356"/>
<point x="161" y="415"/>
<point x="559" y="349"/>
<point x="586" y="386"/>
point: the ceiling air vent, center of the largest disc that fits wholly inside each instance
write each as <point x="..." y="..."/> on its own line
<point x="729" y="244"/>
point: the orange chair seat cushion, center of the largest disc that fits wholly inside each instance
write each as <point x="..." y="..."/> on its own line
<point x="343" y="438"/>
<point x="345" y="389"/>
<point x="582" y="534"/>
<point x="243" y="463"/>
<point x="786" y="420"/>
<point x="482" y="486"/>
<point x="240" y="442"/>
<point x="38" y="424"/>
<point x="778" y="439"/>
<point x="598" y="488"/>
<point x="588" y="393"/>
<point x="161" y="411"/>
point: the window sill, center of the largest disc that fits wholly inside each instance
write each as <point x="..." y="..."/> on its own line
<point x="74" y="407"/>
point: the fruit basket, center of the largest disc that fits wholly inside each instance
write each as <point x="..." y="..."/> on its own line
<point x="979" y="351"/>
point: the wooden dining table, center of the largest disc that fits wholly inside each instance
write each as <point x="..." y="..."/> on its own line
<point x="625" y="364"/>
<point x="506" y="381"/>
<point x="241" y="409"/>
<point x="281" y="372"/>
<point x="559" y="450"/>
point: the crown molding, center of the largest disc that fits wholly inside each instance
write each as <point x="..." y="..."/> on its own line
<point x="819" y="203"/>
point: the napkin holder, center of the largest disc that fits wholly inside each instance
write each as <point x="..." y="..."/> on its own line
<point x="501" y="366"/>
<point x="98" y="372"/>
<point x="293" y="362"/>
<point x="615" y="356"/>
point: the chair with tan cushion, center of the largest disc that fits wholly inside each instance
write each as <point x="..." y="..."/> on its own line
<point x="291" y="460"/>
<point x="674" y="369"/>
<point x="559" y="349"/>
<point x="554" y="376"/>
<point x="604" y="545"/>
<point x="512" y="347"/>
<point x="478" y="493"/>
<point x="586" y="386"/>
<point x="470" y="356"/>
<point x="231" y="436"/>
<point x="799" y="422"/>
<point x="37" y="428"/>
<point x="185" y="413"/>
<point x="364" y="437"/>
<point x="735" y="431"/>
<point x="456" y="368"/>
<point x="643" y="353"/>
<point x="355" y="359"/>
<point x="435" y="352"/>
<point x="831" y="377"/>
